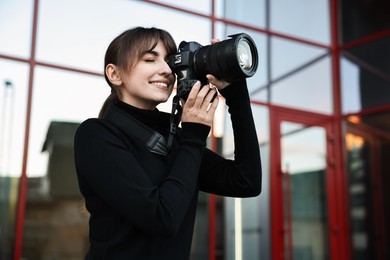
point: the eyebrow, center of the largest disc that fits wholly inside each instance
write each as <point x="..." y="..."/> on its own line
<point x="155" y="53"/>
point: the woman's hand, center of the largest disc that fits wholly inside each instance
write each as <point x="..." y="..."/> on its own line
<point x="220" y="84"/>
<point x="200" y="106"/>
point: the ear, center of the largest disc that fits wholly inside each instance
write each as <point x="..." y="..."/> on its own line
<point x="113" y="74"/>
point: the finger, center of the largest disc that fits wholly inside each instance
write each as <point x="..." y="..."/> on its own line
<point x="214" y="81"/>
<point x="193" y="94"/>
<point x="209" y="97"/>
<point x="211" y="78"/>
<point x="220" y="84"/>
<point x="200" y="98"/>
<point x="213" y="106"/>
<point x="215" y="40"/>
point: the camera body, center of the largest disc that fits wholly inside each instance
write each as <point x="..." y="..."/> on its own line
<point x="183" y="64"/>
<point x="229" y="60"/>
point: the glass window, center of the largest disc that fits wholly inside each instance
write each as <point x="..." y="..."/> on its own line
<point x="201" y="6"/>
<point x="15" y="27"/>
<point x="303" y="154"/>
<point x="288" y="56"/>
<point x="247" y="11"/>
<point x="54" y="212"/>
<point x="263" y="203"/>
<point x="80" y="42"/>
<point x="13" y="101"/>
<point x="304" y="19"/>
<point x="60" y="96"/>
<point x="366" y="76"/>
<point x="359" y="19"/>
<point x="308" y="89"/>
<point x="351" y="99"/>
<point x="260" y="94"/>
<point x="367" y="154"/>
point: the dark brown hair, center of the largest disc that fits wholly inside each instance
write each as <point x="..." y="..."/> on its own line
<point x="128" y="48"/>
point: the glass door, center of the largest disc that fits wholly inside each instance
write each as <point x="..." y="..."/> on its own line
<point x="307" y="201"/>
<point x="303" y="162"/>
<point x="367" y="144"/>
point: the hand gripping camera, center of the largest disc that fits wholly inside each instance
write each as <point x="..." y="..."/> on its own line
<point x="230" y="60"/>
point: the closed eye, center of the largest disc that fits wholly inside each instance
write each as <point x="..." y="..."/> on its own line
<point x="150" y="56"/>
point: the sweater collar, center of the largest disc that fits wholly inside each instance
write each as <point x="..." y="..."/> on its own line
<point x="155" y="119"/>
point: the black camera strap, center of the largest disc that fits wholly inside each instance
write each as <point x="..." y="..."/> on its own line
<point x="174" y="120"/>
<point x="153" y="140"/>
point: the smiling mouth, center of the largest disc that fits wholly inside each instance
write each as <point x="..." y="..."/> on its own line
<point x="160" y="84"/>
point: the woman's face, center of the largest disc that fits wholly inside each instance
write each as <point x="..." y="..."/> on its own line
<point x="150" y="82"/>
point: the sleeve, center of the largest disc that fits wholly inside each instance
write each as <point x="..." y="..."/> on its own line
<point x="106" y="168"/>
<point x="240" y="177"/>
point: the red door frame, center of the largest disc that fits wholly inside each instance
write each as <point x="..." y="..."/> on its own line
<point x="336" y="196"/>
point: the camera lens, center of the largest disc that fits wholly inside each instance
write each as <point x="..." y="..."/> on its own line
<point x="231" y="59"/>
<point x="244" y="55"/>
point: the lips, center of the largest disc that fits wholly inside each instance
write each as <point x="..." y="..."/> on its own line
<point x="159" y="84"/>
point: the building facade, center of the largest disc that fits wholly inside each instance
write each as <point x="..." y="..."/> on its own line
<point x="321" y="104"/>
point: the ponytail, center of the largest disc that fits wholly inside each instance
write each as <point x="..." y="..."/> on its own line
<point x="112" y="98"/>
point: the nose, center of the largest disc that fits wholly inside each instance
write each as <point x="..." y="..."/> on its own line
<point x="165" y="69"/>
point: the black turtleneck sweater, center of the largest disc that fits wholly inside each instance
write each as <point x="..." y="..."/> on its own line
<point x="143" y="204"/>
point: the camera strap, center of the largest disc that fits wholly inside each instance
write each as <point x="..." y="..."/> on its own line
<point x="174" y="120"/>
<point x="153" y="140"/>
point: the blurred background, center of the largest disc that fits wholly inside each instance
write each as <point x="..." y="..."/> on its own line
<point x="321" y="103"/>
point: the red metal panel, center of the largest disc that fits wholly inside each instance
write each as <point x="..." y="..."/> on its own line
<point x="339" y="242"/>
<point x="23" y="177"/>
<point x="277" y="232"/>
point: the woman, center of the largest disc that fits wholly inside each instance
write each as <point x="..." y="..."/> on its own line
<point x="142" y="203"/>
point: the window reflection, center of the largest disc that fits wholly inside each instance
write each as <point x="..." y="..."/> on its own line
<point x="288" y="56"/>
<point x="13" y="98"/>
<point x="367" y="145"/>
<point x="366" y="76"/>
<point x="246" y="11"/>
<point x="55" y="222"/>
<point x="359" y="19"/>
<point x="304" y="197"/>
<point x="350" y="93"/>
<point x="15" y="27"/>
<point x="60" y="96"/>
<point x="308" y="89"/>
<point x="304" y="19"/>
<point x="81" y="42"/>
<point x="202" y="6"/>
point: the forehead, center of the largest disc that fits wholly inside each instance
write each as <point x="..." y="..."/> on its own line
<point x="158" y="50"/>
